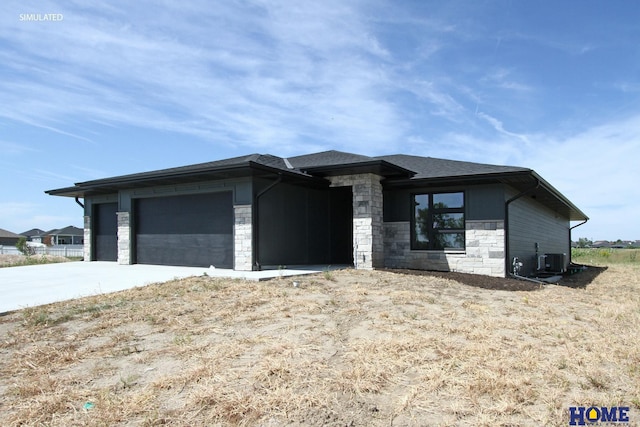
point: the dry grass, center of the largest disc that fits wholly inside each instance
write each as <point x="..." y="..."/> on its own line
<point x="18" y="260"/>
<point x="355" y="348"/>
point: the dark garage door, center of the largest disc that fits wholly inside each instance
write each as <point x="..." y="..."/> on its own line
<point x="105" y="232"/>
<point x="193" y="230"/>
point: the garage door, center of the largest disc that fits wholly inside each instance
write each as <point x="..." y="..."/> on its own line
<point x="192" y="230"/>
<point x="105" y="232"/>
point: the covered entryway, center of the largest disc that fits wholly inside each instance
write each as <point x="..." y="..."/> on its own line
<point x="105" y="231"/>
<point x="305" y="226"/>
<point x="190" y="230"/>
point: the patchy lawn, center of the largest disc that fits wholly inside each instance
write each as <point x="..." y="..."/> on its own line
<point x="342" y="348"/>
<point x="19" y="260"/>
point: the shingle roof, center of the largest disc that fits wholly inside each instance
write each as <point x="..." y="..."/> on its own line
<point x="327" y="158"/>
<point x="429" y="167"/>
<point x="67" y="231"/>
<point x="397" y="168"/>
<point x="33" y="232"/>
<point x="7" y="233"/>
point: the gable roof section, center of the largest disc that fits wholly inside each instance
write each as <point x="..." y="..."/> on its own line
<point x="34" y="232"/>
<point x="331" y="163"/>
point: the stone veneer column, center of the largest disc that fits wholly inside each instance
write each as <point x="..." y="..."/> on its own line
<point x="242" y="238"/>
<point x="124" y="238"/>
<point x="87" y="238"/>
<point x="485" y="248"/>
<point x="367" y="218"/>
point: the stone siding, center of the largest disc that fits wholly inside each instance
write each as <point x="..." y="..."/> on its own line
<point x="242" y="238"/>
<point x="367" y="218"/>
<point x="124" y="238"/>
<point x="88" y="241"/>
<point x="483" y="254"/>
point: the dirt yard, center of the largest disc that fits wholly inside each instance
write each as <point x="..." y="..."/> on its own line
<point x="347" y="348"/>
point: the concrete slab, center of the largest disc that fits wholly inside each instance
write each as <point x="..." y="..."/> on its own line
<point x="29" y="286"/>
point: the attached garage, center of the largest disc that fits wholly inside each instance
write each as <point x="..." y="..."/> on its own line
<point x="188" y="230"/>
<point x="106" y="232"/>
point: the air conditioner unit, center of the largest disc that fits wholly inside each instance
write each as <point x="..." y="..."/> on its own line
<point x="555" y="263"/>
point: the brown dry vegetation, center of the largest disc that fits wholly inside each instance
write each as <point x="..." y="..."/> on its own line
<point x="18" y="260"/>
<point x="344" y="348"/>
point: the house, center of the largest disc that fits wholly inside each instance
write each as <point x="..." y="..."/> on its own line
<point x="8" y="238"/>
<point x="58" y="236"/>
<point x="69" y="235"/>
<point x="332" y="207"/>
<point x="34" y="235"/>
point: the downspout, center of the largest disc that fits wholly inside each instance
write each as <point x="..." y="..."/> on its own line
<point x="255" y="221"/>
<point x="79" y="203"/>
<point x="570" y="230"/>
<point x="506" y="222"/>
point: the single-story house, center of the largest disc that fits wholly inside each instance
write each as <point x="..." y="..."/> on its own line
<point x="35" y="235"/>
<point x="7" y="238"/>
<point x="332" y="207"/>
<point x="69" y="235"/>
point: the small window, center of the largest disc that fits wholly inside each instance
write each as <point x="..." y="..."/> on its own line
<point x="438" y="221"/>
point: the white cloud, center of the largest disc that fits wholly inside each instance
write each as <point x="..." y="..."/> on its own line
<point x="498" y="126"/>
<point x="257" y="68"/>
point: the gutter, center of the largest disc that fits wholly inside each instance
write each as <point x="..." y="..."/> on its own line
<point x="255" y="247"/>
<point x="506" y="221"/>
<point x="570" y="230"/>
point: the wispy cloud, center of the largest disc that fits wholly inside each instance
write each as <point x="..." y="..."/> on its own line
<point x="257" y="68"/>
<point x="8" y="148"/>
<point x="498" y="126"/>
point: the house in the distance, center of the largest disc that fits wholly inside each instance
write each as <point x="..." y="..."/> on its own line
<point x="69" y="235"/>
<point x="34" y="235"/>
<point x="332" y="207"/>
<point x="7" y="238"/>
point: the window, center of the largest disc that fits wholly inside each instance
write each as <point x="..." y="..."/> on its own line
<point x="438" y="221"/>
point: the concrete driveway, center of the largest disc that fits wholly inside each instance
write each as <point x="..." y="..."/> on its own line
<point x="33" y="285"/>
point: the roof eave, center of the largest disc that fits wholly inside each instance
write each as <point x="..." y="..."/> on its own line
<point x="113" y="185"/>
<point x="520" y="179"/>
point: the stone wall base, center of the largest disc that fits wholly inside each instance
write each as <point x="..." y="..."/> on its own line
<point x="483" y="254"/>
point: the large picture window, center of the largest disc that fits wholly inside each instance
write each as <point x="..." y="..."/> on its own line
<point x="438" y="221"/>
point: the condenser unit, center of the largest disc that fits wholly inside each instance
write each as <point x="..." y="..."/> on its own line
<point x="555" y="263"/>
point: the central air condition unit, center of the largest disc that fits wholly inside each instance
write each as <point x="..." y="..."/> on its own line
<point x="555" y="263"/>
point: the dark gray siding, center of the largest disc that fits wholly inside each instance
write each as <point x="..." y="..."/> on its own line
<point x="105" y="232"/>
<point x="485" y="202"/>
<point x="481" y="202"/>
<point x="191" y="230"/>
<point x="531" y="223"/>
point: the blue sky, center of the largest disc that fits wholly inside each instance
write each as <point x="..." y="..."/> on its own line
<point x="121" y="87"/>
